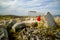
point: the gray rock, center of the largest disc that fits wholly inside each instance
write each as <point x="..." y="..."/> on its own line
<point x="50" y="20"/>
<point x="3" y="33"/>
<point x="18" y="26"/>
<point x="10" y="24"/>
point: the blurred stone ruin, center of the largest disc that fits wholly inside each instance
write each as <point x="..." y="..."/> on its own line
<point x="50" y="20"/>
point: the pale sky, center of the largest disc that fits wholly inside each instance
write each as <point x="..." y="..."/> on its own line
<point x="21" y="7"/>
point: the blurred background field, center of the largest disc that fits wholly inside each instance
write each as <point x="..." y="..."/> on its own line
<point x="28" y="18"/>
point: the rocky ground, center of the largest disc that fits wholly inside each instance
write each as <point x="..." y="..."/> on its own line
<point x="36" y="34"/>
<point x="30" y="33"/>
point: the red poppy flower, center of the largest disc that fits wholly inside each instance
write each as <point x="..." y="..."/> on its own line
<point x="39" y="18"/>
